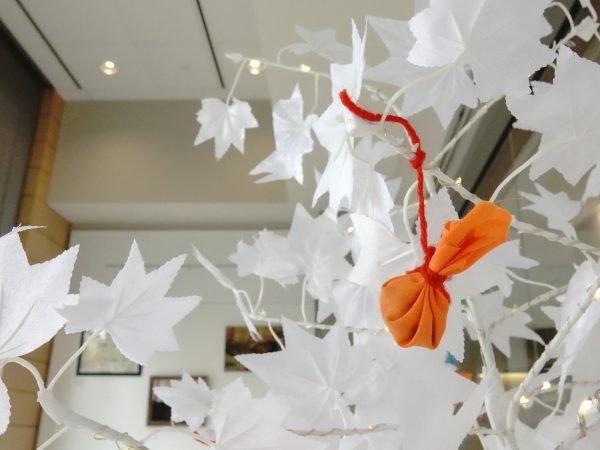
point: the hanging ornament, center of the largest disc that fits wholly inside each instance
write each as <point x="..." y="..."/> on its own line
<point x="414" y="306"/>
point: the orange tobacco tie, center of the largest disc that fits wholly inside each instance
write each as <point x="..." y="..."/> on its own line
<point x="414" y="306"/>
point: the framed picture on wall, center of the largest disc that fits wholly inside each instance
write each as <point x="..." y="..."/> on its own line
<point x="102" y="357"/>
<point x="239" y="342"/>
<point x="159" y="413"/>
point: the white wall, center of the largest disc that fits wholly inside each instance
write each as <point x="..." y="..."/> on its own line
<point x="133" y="165"/>
<point x="121" y="402"/>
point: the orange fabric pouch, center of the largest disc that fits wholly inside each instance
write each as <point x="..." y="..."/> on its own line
<point x="414" y="306"/>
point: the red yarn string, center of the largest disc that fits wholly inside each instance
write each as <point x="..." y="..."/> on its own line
<point x="416" y="162"/>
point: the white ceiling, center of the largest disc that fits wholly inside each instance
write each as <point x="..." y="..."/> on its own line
<point x="159" y="46"/>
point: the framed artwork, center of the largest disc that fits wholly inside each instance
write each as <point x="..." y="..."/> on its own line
<point x="102" y="357"/>
<point x="239" y="342"/>
<point x="159" y="413"/>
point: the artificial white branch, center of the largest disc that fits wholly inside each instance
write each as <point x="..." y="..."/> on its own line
<point x="537" y="367"/>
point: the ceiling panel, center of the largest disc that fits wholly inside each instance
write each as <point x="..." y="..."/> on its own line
<point x="160" y="46"/>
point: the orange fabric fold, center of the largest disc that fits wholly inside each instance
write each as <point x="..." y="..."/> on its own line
<point x="414" y="306"/>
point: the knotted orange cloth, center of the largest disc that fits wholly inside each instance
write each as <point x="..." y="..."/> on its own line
<point x="414" y="306"/>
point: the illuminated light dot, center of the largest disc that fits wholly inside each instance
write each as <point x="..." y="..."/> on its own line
<point x="305" y="67"/>
<point x="108" y="68"/>
<point x="525" y="401"/>
<point x="546" y="386"/>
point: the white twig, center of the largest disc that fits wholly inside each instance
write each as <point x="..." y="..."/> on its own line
<point x="70" y="419"/>
<point x="565" y="11"/>
<point x="400" y="92"/>
<point x="236" y="80"/>
<point x="511" y="176"/>
<point x="537" y="367"/>
<point x="489" y="365"/>
<point x="171" y="429"/>
<point x="303" y="301"/>
<point x="528" y="281"/>
<point x="405" y="220"/>
<point x="282" y="50"/>
<point x="316" y="93"/>
<point x="53" y="438"/>
<point x="348" y="431"/>
<point x="281" y="346"/>
<point x="72" y="359"/>
<point x="546" y="296"/>
<point x="261" y="293"/>
<point x="318" y="326"/>
<point x="481" y="112"/>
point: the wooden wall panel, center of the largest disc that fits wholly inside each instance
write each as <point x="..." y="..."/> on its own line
<point x="41" y="245"/>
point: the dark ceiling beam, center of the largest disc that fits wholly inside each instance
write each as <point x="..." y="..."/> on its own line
<point x="210" y="44"/>
<point x="48" y="44"/>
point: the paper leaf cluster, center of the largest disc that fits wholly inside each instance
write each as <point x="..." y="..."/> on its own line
<point x="29" y="298"/>
<point x="226" y="124"/>
<point x="133" y="309"/>
<point x="565" y="114"/>
<point x="320" y="378"/>
<point x="245" y="423"/>
<point x="558" y="208"/>
<point x="490" y="307"/>
<point x="339" y="380"/>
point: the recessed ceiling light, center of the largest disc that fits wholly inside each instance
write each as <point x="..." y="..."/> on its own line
<point x="108" y="68"/>
<point x="255" y="66"/>
<point x="305" y="67"/>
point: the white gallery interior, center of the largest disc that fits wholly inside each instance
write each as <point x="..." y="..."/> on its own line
<point x="125" y="168"/>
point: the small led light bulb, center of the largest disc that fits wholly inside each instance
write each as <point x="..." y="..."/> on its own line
<point x="108" y="68"/>
<point x="305" y="67"/>
<point x="546" y="386"/>
<point x="525" y="401"/>
<point x="255" y="67"/>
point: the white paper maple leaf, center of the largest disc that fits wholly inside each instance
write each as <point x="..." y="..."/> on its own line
<point x="189" y="400"/>
<point x="133" y="309"/>
<point x="558" y="208"/>
<point x="319" y="378"/>
<point x="490" y="307"/>
<point x="356" y="305"/>
<point x="416" y="378"/>
<point x="449" y="430"/>
<point x="398" y="39"/>
<point x="499" y="40"/>
<point x="492" y="270"/>
<point x="319" y="249"/>
<point x="237" y="294"/>
<point x="244" y="423"/>
<point x="29" y="298"/>
<point x="438" y="211"/>
<point x="444" y="89"/>
<point x="333" y="129"/>
<point x="292" y="141"/>
<point x="226" y="124"/>
<point x="269" y="256"/>
<point x="378" y="254"/>
<point x="370" y="194"/>
<point x="566" y="115"/>
<point x="323" y="43"/>
<point x="581" y="282"/>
